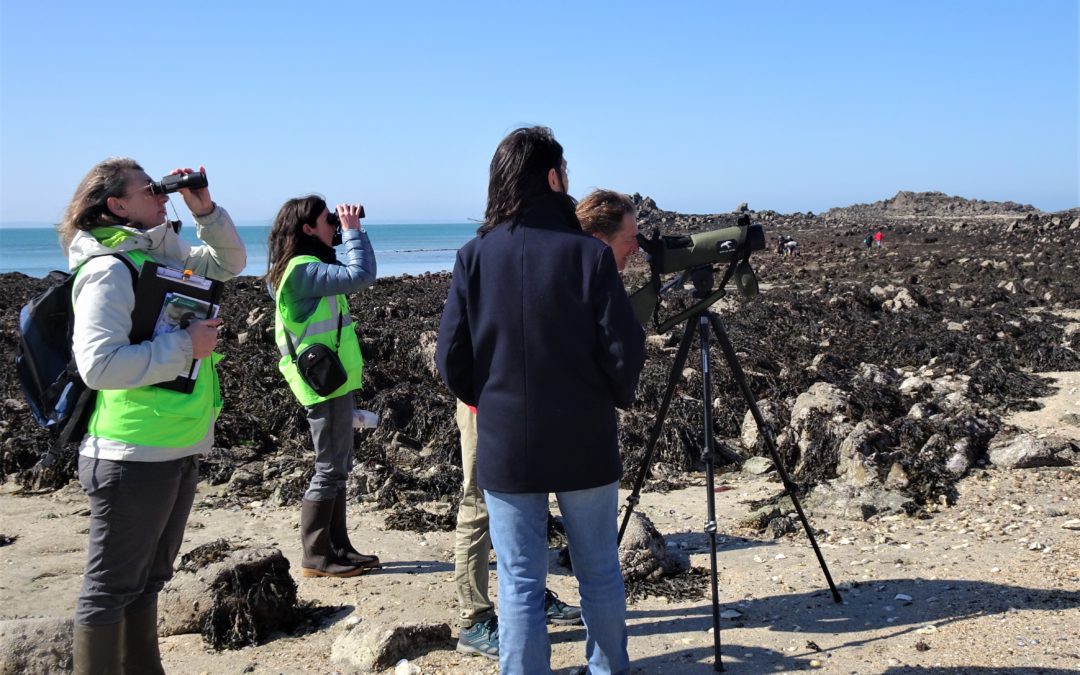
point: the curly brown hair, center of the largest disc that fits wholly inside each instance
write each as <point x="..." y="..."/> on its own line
<point x="602" y="211"/>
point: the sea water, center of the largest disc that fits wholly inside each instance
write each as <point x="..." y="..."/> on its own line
<point x="400" y="248"/>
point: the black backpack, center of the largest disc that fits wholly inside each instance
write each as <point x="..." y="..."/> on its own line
<point x="58" y="398"/>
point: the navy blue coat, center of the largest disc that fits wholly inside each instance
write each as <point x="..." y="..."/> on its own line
<point x="539" y="335"/>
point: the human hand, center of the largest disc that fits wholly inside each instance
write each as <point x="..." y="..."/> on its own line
<point x="204" y="336"/>
<point x="350" y="215"/>
<point x="198" y="201"/>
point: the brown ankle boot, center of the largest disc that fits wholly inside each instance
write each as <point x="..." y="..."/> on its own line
<point x="339" y="537"/>
<point x="319" y="558"/>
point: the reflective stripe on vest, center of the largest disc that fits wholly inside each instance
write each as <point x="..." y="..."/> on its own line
<point x="321" y="327"/>
<point x="155" y="417"/>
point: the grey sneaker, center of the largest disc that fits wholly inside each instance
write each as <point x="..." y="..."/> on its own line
<point x="481" y="638"/>
<point x="559" y="613"/>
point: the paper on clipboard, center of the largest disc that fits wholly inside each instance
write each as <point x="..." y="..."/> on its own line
<point x="166" y="300"/>
<point x="177" y="312"/>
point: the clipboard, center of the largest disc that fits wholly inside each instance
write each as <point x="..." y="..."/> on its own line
<point x="167" y="300"/>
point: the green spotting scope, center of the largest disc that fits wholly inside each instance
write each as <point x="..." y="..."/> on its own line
<point x="675" y="253"/>
<point x="688" y="252"/>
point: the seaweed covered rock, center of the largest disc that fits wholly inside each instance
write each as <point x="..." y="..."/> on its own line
<point x="643" y="553"/>
<point x="820" y="419"/>
<point x="234" y="594"/>
<point x="751" y="437"/>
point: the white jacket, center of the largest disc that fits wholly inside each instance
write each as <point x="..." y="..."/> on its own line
<point x="104" y="298"/>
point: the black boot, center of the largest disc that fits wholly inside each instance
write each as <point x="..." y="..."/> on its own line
<point x="96" y="649"/>
<point x="139" y="642"/>
<point x="319" y="558"/>
<point x="339" y="537"/>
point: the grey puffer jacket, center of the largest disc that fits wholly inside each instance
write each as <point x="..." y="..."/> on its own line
<point x="104" y="298"/>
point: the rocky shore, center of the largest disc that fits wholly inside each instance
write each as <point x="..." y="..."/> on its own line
<point x="892" y="376"/>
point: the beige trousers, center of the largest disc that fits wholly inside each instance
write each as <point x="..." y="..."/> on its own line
<point x="472" y="542"/>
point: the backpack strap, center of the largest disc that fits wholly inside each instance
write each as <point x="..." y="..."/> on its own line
<point x="71" y="367"/>
<point x="131" y="268"/>
<point x="83" y="404"/>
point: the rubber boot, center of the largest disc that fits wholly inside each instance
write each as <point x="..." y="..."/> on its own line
<point x="319" y="558"/>
<point x="139" y="642"/>
<point x="96" y="649"/>
<point x="339" y="537"/>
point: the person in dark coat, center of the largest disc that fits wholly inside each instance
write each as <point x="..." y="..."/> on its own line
<point x="538" y="334"/>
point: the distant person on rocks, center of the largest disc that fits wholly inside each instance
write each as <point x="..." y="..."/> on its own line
<point x="535" y="301"/>
<point x="611" y="217"/>
<point x="311" y="288"/>
<point x="868" y="240"/>
<point x="138" y="462"/>
<point x="791" y="248"/>
<point x="878" y="236"/>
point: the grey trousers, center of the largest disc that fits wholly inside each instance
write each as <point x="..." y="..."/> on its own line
<point x="472" y="541"/>
<point x="138" y="511"/>
<point x="332" y="435"/>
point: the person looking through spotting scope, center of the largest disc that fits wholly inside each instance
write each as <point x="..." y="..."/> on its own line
<point x="535" y="301"/>
<point x="611" y="217"/>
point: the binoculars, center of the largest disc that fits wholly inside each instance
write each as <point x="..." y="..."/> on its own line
<point x="176" y="182"/>
<point x="335" y="222"/>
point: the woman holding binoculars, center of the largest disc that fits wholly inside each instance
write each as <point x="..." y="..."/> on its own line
<point x="312" y="326"/>
<point x="138" y="462"/>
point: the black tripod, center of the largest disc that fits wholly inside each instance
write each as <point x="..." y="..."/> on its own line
<point x="703" y="318"/>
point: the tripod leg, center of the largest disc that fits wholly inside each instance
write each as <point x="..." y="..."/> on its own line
<point x="770" y="442"/>
<point x="654" y="434"/>
<point x="710" y="495"/>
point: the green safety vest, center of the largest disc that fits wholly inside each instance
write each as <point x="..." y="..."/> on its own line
<point x="155" y="417"/>
<point x="320" y="327"/>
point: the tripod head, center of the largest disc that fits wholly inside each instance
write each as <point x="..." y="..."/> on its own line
<point x="694" y="257"/>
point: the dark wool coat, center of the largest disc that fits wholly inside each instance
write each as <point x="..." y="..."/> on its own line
<point x="539" y="335"/>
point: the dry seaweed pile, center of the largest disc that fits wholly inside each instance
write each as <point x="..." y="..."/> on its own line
<point x="686" y="585"/>
<point x="250" y="600"/>
<point x="953" y="316"/>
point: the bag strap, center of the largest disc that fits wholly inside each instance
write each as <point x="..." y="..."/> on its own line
<point x="86" y="397"/>
<point x="78" y="413"/>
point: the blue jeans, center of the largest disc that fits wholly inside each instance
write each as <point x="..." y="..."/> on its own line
<point x="518" y="523"/>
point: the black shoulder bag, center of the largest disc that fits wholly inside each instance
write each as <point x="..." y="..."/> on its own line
<point x="318" y="365"/>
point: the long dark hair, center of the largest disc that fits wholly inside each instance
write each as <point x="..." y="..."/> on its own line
<point x="88" y="207"/>
<point x="519" y="173"/>
<point x="287" y="236"/>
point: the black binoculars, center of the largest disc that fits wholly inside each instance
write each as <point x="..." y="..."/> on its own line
<point x="175" y="182"/>
<point x="335" y="222"/>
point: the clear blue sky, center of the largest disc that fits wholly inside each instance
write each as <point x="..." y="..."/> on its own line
<point x="791" y="106"/>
